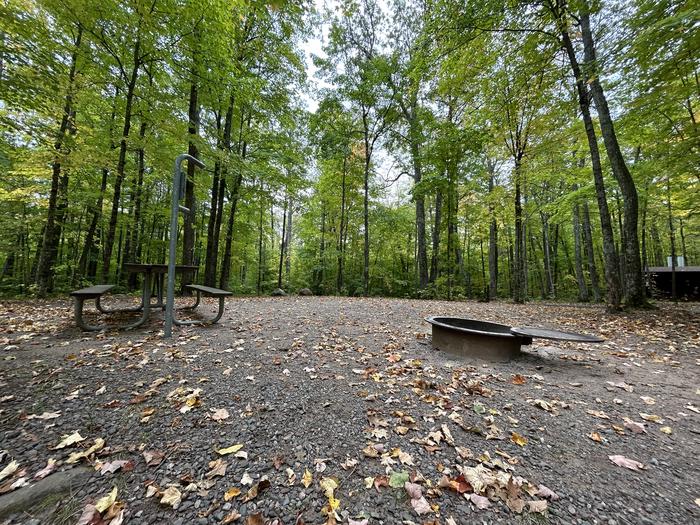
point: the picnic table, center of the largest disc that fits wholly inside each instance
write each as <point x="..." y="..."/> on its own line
<point x="153" y="277"/>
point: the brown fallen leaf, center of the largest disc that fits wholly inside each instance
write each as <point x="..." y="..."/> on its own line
<point x="48" y="469"/>
<point x="598" y="413"/>
<point x="256" y="489"/>
<point x="545" y="492"/>
<point x="637" y="428"/>
<point x="518" y="379"/>
<point x="153" y="457"/>
<point x="631" y="464"/>
<point x="481" y="502"/>
<point x="255" y="519"/>
<point x="230" y="517"/>
<point x="539" y="505"/>
<point x="595" y="436"/>
<point x="218" y="468"/>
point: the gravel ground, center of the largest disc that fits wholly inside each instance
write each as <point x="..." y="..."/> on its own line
<point x="345" y="413"/>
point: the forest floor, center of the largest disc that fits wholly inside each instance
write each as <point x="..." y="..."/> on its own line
<point x="295" y="409"/>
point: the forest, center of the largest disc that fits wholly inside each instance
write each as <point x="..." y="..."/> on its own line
<point x="408" y="148"/>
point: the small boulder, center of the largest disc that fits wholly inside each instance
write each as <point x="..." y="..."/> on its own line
<point x="305" y="291"/>
<point x="278" y="292"/>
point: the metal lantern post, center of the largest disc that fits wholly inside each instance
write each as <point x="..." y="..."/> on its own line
<point x="175" y="208"/>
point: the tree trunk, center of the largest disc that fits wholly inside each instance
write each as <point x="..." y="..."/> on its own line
<point x="59" y="183"/>
<point x="283" y="243"/>
<point x="288" y="243"/>
<point x="211" y="255"/>
<point x="341" y="234"/>
<point x="519" y="275"/>
<point x="672" y="238"/>
<point x="590" y="254"/>
<point x="614" y="288"/>
<point x="578" y="257"/>
<point x="193" y="150"/>
<point x="633" y="281"/>
<point x="493" y="236"/>
<point x="258" y="286"/>
<point x="551" y="292"/>
<point x="233" y="198"/>
<point x="365" y="207"/>
<point x="121" y="163"/>
<point x="435" y="255"/>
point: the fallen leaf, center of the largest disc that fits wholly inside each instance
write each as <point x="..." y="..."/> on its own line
<point x="77" y="456"/>
<point x="539" y="505"/>
<point x="637" y="428"/>
<point x="218" y="468"/>
<point x="651" y="417"/>
<point x="349" y="463"/>
<point x="518" y="439"/>
<point x="107" y="501"/>
<point x="648" y="400"/>
<point x="171" y="496"/>
<point x="230" y="517"/>
<point x="48" y="469"/>
<point x="220" y="414"/>
<point x="598" y="413"/>
<point x="256" y="489"/>
<point x="666" y="430"/>
<point x="595" y="436"/>
<point x="10" y="469"/>
<point x="229" y="450"/>
<point x="307" y="479"/>
<point x="45" y="415"/>
<point x="622" y="461"/>
<point x="231" y="493"/>
<point x="101" y="390"/>
<point x="481" y="502"/>
<point x="246" y="479"/>
<point x="518" y="379"/>
<point x="68" y="440"/>
<point x="112" y="466"/>
<point x="89" y="516"/>
<point x="546" y="492"/>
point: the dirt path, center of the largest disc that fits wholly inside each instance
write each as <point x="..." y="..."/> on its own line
<point x="348" y="397"/>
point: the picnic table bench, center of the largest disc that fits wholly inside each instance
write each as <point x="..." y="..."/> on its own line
<point x="210" y="292"/>
<point x="92" y="292"/>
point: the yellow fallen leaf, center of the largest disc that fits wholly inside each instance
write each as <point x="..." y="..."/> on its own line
<point x="666" y="430"/>
<point x="518" y="439"/>
<point x="230" y="450"/>
<point x="10" y="469"/>
<point x="106" y="502"/>
<point x="77" y="456"/>
<point x="651" y="417"/>
<point x="231" y="493"/>
<point x="68" y="440"/>
<point x="307" y="479"/>
<point x="328" y="485"/>
<point x="171" y="496"/>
